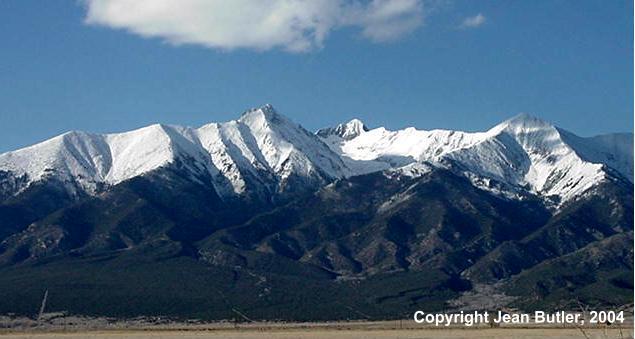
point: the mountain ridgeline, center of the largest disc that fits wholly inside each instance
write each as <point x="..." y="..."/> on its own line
<point x="259" y="217"/>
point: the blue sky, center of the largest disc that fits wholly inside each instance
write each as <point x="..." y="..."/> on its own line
<point x="81" y="65"/>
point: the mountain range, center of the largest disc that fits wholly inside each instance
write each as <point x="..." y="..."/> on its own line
<point x="260" y="217"/>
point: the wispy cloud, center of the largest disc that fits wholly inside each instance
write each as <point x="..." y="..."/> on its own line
<point x="292" y="25"/>
<point x="473" y="21"/>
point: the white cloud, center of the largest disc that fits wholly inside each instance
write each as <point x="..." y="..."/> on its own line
<point x="293" y="25"/>
<point x="473" y="21"/>
<point x="384" y="20"/>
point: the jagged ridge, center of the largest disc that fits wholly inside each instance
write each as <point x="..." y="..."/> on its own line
<point x="260" y="150"/>
<point x="522" y="152"/>
<point x="265" y="152"/>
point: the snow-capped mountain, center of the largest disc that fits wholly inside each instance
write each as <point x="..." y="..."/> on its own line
<point x="347" y="131"/>
<point x="521" y="152"/>
<point x="265" y="205"/>
<point x="266" y="152"/>
<point x="260" y="150"/>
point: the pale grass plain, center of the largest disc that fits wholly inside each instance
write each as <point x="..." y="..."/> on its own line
<point x="315" y="333"/>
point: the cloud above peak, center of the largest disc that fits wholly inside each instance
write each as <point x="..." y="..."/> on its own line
<point x="473" y="21"/>
<point x="291" y="25"/>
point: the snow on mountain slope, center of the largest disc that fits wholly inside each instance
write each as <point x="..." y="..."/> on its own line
<point x="266" y="148"/>
<point x="290" y="149"/>
<point x="73" y="155"/>
<point x="378" y="149"/>
<point x="265" y="152"/>
<point x="89" y="159"/>
<point x="527" y="151"/>
<point x="260" y="150"/>
<point x="345" y="131"/>
<point x="615" y="150"/>
<point x="234" y="156"/>
<point x="523" y="152"/>
<point x="139" y="151"/>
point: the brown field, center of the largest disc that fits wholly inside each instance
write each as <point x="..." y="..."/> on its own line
<point x="320" y="333"/>
<point x="101" y="328"/>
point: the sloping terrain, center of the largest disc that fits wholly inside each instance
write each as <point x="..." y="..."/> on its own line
<point x="259" y="218"/>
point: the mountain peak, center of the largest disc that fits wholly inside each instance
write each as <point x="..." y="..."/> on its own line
<point x="271" y="148"/>
<point x="347" y="131"/>
<point x="522" y="123"/>
<point x="265" y="114"/>
<point x="266" y="109"/>
<point x="357" y="125"/>
<point x="527" y="120"/>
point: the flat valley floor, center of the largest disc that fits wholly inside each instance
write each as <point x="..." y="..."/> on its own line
<point x="500" y="333"/>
